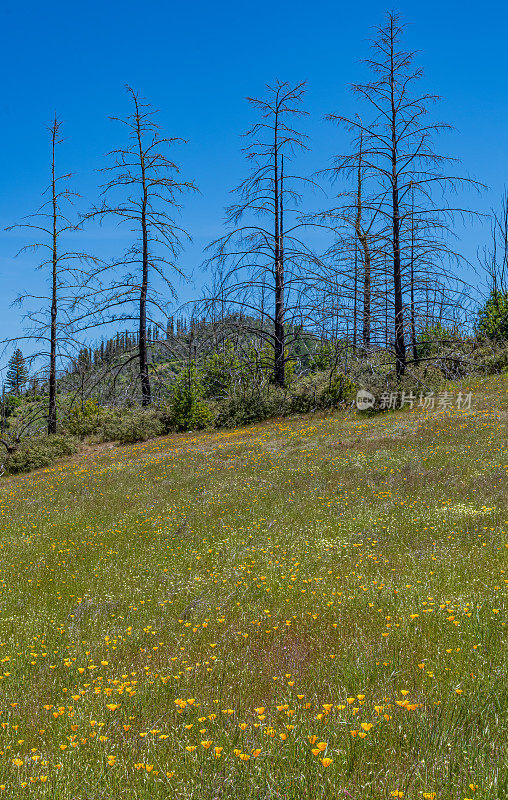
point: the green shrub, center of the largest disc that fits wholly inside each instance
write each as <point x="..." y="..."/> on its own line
<point x="322" y="358"/>
<point x="496" y="361"/>
<point x="11" y="403"/>
<point x="339" y="390"/>
<point x="246" y="408"/>
<point x="302" y="401"/>
<point x="187" y="411"/>
<point x="83" y="420"/>
<point x="289" y="369"/>
<point x="41" y="451"/>
<point x="128" y="426"/>
<point x="310" y="395"/>
<point x="493" y="317"/>
<point x="219" y="371"/>
<point x="123" y="425"/>
<point x="432" y="339"/>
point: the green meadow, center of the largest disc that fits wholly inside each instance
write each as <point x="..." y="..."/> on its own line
<point x="307" y="608"/>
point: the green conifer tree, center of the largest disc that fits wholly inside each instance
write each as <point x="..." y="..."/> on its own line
<point x="17" y="374"/>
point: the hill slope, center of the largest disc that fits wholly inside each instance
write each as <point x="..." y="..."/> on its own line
<point x="307" y="608"/>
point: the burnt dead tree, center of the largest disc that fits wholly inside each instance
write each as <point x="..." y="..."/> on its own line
<point x="143" y="193"/>
<point x="53" y="325"/>
<point x="262" y="253"/>
<point x="355" y="226"/>
<point x="494" y="258"/>
<point x="407" y="177"/>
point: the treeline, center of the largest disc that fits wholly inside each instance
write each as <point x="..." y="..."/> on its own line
<point x="367" y="280"/>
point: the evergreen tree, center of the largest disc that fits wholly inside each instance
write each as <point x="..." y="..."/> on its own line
<point x="493" y="317"/>
<point x="17" y="374"/>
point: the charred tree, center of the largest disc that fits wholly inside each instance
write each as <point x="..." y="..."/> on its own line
<point x="261" y="254"/>
<point x="142" y="193"/>
<point x="406" y="178"/>
<point x="55" y="322"/>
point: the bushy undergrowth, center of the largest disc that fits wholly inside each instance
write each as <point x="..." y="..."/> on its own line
<point x="187" y="410"/>
<point x="493" y="317"/>
<point x="311" y="394"/>
<point x="83" y="420"/>
<point x="193" y="406"/>
<point x="40" y="451"/>
<point x="129" y="426"/>
<point x="243" y="409"/>
<point x="458" y="359"/>
<point x="123" y="425"/>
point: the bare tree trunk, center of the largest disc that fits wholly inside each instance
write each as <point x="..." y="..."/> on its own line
<point x="254" y="256"/>
<point x="278" y="369"/>
<point x="366" y="297"/>
<point x="401" y="163"/>
<point x="414" y="345"/>
<point x="355" y="301"/>
<point x="387" y="329"/>
<point x="362" y="236"/>
<point x="143" y="356"/>
<point x="146" y="395"/>
<point x="54" y="287"/>
<point x="363" y="239"/>
<point x="412" y="287"/>
<point x="148" y="179"/>
<point x="400" y="345"/>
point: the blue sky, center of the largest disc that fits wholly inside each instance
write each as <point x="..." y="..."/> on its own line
<point x="197" y="62"/>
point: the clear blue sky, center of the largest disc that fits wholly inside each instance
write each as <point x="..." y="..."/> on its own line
<point x="197" y="61"/>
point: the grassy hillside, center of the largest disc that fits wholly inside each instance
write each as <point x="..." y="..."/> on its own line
<point x="307" y="608"/>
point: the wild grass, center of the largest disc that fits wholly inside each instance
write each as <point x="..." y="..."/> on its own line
<point x="304" y="608"/>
